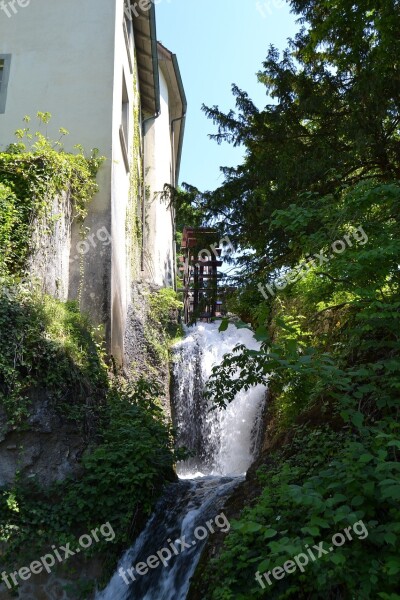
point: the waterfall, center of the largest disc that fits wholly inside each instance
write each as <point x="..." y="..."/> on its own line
<point x="223" y="445"/>
<point x="221" y="439"/>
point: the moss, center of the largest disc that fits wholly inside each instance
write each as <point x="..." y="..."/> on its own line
<point x="164" y="306"/>
<point x="162" y="327"/>
<point x="159" y="329"/>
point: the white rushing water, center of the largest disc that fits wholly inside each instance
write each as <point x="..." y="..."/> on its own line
<point x="224" y="440"/>
<point x="223" y="444"/>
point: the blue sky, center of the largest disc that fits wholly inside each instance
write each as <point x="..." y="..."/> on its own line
<point x="218" y="42"/>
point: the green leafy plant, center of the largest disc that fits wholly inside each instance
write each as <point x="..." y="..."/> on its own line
<point x="322" y="161"/>
<point x="50" y="346"/>
<point x="123" y="474"/>
<point x="321" y="483"/>
<point x="30" y="178"/>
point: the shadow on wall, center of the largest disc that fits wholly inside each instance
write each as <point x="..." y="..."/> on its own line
<point x="168" y="271"/>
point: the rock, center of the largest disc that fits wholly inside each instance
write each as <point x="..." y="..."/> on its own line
<point x="48" y="451"/>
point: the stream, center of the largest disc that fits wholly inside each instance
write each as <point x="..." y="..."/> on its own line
<point x="224" y="444"/>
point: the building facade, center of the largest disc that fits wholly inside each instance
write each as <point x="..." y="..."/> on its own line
<point x="97" y="68"/>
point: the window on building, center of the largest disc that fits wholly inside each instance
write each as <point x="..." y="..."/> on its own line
<point x="125" y="109"/>
<point x="128" y="21"/>
<point x="128" y="32"/>
<point x="5" y="60"/>
<point x="124" y="130"/>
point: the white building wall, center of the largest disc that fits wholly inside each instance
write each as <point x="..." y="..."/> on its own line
<point x="62" y="62"/>
<point x="158" y="168"/>
<point x="68" y="58"/>
<point x="122" y="275"/>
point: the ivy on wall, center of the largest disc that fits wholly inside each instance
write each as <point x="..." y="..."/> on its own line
<point x="49" y="344"/>
<point x="33" y="172"/>
<point x="134" y="209"/>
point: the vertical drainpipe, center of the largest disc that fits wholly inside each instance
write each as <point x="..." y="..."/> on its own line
<point x="174" y="184"/>
<point x="176" y="164"/>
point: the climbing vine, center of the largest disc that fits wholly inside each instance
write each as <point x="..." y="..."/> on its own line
<point x="33" y="171"/>
<point x="134" y="210"/>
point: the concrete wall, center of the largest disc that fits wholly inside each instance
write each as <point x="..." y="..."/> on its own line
<point x="62" y="62"/>
<point x="122" y="201"/>
<point x="70" y="59"/>
<point x="158" y="169"/>
<point x="49" y="262"/>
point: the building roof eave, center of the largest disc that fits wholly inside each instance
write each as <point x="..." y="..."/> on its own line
<point x="145" y="32"/>
<point x="178" y="102"/>
<point x="183" y="119"/>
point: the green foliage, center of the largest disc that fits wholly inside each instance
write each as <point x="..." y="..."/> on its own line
<point x="332" y="121"/>
<point x="332" y="334"/>
<point x="328" y="482"/>
<point x="162" y="327"/>
<point x="8" y="220"/>
<point x="50" y="346"/>
<point x="164" y="305"/>
<point x="134" y="457"/>
<point x="134" y="215"/>
<point x="30" y="178"/>
<point x="186" y="202"/>
<point x="122" y="476"/>
<point x="50" y="349"/>
<point x="330" y="353"/>
<point x="322" y="164"/>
